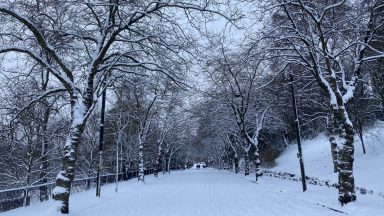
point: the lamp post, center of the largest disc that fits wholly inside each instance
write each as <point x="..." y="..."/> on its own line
<point x="298" y="135"/>
<point x="101" y="142"/>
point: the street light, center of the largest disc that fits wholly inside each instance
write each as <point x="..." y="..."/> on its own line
<point x="298" y="135"/>
<point x="101" y="142"/>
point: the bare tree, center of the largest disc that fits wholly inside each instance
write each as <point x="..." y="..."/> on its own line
<point x="241" y="84"/>
<point x="315" y="35"/>
<point x="103" y="37"/>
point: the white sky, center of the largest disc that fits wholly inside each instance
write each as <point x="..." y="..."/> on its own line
<point x="232" y="37"/>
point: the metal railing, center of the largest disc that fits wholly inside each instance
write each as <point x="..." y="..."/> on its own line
<point x="19" y="197"/>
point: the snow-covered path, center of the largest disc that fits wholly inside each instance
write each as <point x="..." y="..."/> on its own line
<point x="209" y="193"/>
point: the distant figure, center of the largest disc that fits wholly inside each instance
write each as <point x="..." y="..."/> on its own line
<point x="198" y="166"/>
<point x="202" y="164"/>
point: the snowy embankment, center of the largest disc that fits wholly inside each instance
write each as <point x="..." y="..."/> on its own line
<point x="208" y="192"/>
<point x="368" y="168"/>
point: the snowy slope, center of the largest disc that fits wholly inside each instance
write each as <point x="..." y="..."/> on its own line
<point x="368" y="168"/>
<point x="209" y="192"/>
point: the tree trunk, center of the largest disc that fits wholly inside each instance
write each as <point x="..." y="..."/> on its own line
<point x="164" y="164"/>
<point x="258" y="164"/>
<point x="345" y="151"/>
<point x="331" y="127"/>
<point x="26" y="191"/>
<point x="29" y="173"/>
<point x="44" y="164"/>
<point x="141" y="162"/>
<point x="26" y="200"/>
<point x="233" y="165"/>
<point x="157" y="162"/>
<point x="361" y="133"/>
<point x="362" y="141"/>
<point x="43" y="173"/>
<point x="169" y="164"/>
<point x="157" y="166"/>
<point x="88" y="184"/>
<point x="117" y="165"/>
<point x="89" y="173"/>
<point x="246" y="168"/>
<point x="237" y="164"/>
<point x="67" y="173"/>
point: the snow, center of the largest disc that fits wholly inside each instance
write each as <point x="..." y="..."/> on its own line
<point x="59" y="190"/>
<point x="208" y="192"/>
<point x="368" y="168"/>
<point x="78" y="112"/>
<point x="61" y="176"/>
<point x="350" y="91"/>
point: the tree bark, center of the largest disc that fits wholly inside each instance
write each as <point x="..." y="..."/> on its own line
<point x="258" y="164"/>
<point x="67" y="173"/>
<point x="169" y="164"/>
<point x="332" y="139"/>
<point x="43" y="173"/>
<point x="117" y="165"/>
<point x="361" y="133"/>
<point x="236" y="164"/>
<point x="29" y="172"/>
<point x="26" y="191"/>
<point x="246" y="168"/>
<point x="164" y="164"/>
<point x="141" y="162"/>
<point x="345" y="152"/>
<point x="43" y="138"/>
<point x="158" y="161"/>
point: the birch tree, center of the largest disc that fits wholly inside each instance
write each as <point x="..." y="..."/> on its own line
<point x="144" y="111"/>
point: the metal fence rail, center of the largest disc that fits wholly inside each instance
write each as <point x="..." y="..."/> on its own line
<point x="19" y="197"/>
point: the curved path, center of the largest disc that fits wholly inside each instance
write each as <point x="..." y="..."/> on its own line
<point x="209" y="192"/>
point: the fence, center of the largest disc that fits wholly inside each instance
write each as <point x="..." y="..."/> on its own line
<point x="18" y="197"/>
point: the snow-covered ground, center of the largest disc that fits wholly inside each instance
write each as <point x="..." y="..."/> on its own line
<point x="208" y="192"/>
<point x="368" y="168"/>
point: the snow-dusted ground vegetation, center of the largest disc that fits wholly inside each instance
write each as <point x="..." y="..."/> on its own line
<point x="215" y="107"/>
